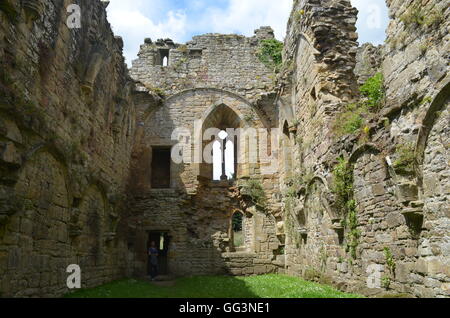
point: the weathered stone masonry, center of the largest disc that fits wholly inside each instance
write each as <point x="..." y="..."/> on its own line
<point x="66" y="134"/>
<point x="79" y="142"/>
<point x="219" y="82"/>
<point x="402" y="220"/>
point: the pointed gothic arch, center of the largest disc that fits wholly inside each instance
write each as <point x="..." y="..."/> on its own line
<point x="220" y="118"/>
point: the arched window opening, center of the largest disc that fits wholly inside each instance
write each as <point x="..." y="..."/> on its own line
<point x="238" y="230"/>
<point x="223" y="158"/>
<point x="224" y="164"/>
<point x="164" y="57"/>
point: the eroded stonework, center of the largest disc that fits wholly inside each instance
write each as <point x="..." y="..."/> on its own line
<point x="85" y="176"/>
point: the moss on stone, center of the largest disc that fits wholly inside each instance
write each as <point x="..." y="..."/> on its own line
<point x="406" y="160"/>
<point x="350" y="120"/>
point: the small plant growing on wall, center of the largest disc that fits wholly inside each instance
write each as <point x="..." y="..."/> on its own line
<point x="413" y="16"/>
<point x="390" y="262"/>
<point x="249" y="118"/>
<point x="156" y="90"/>
<point x="385" y="282"/>
<point x="350" y="120"/>
<point x="405" y="159"/>
<point x="354" y="116"/>
<point x="373" y="91"/>
<point x="417" y="16"/>
<point x="391" y="265"/>
<point x="298" y="15"/>
<point x="253" y="189"/>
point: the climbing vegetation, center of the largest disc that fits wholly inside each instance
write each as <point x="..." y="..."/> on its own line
<point x="270" y="53"/>
<point x="354" y="116"/>
<point x="342" y="188"/>
<point x="373" y="91"/>
<point x="391" y="265"/>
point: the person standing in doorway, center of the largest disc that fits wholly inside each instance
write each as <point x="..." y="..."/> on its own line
<point x="153" y="255"/>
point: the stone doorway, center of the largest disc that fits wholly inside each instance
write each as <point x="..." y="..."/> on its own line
<point x="162" y="240"/>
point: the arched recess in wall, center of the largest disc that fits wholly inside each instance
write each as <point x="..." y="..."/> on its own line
<point x="305" y="55"/>
<point x="321" y="240"/>
<point x="373" y="192"/>
<point x="434" y="179"/>
<point x="91" y="222"/>
<point x="238" y="229"/>
<point x="286" y="111"/>
<point x="41" y="222"/>
<point x="439" y="103"/>
<point x="325" y="197"/>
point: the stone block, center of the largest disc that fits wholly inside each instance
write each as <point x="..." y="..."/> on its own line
<point x="260" y="269"/>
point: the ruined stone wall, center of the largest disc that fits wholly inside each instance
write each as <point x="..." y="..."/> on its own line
<point x="66" y="134"/>
<point x="213" y="81"/>
<point x="399" y="242"/>
<point x="368" y="61"/>
<point x="318" y="78"/>
<point x="227" y="62"/>
<point x="77" y="136"/>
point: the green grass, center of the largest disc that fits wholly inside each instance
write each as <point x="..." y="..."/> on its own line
<point x="238" y="239"/>
<point x="266" y="286"/>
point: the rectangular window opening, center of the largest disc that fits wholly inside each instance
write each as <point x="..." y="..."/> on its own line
<point x="161" y="161"/>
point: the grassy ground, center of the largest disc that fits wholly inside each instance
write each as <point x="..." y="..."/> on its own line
<point x="267" y="286"/>
<point x="238" y="239"/>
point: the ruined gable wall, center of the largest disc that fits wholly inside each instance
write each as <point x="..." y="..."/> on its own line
<point x="66" y="133"/>
<point x="398" y="212"/>
<point x="227" y="62"/>
<point x="212" y="78"/>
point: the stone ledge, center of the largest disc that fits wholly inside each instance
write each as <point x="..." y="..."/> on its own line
<point x="239" y="255"/>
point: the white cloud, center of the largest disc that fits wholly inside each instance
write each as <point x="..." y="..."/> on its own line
<point x="372" y="20"/>
<point x="127" y="20"/>
<point x="246" y="16"/>
<point x="136" y="20"/>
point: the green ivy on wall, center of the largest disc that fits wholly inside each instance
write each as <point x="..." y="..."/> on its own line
<point x="342" y="187"/>
<point x="270" y="53"/>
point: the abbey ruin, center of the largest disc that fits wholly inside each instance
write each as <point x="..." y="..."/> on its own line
<point x="360" y="194"/>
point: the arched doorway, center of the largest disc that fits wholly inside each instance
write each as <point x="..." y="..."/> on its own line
<point x="237" y="224"/>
